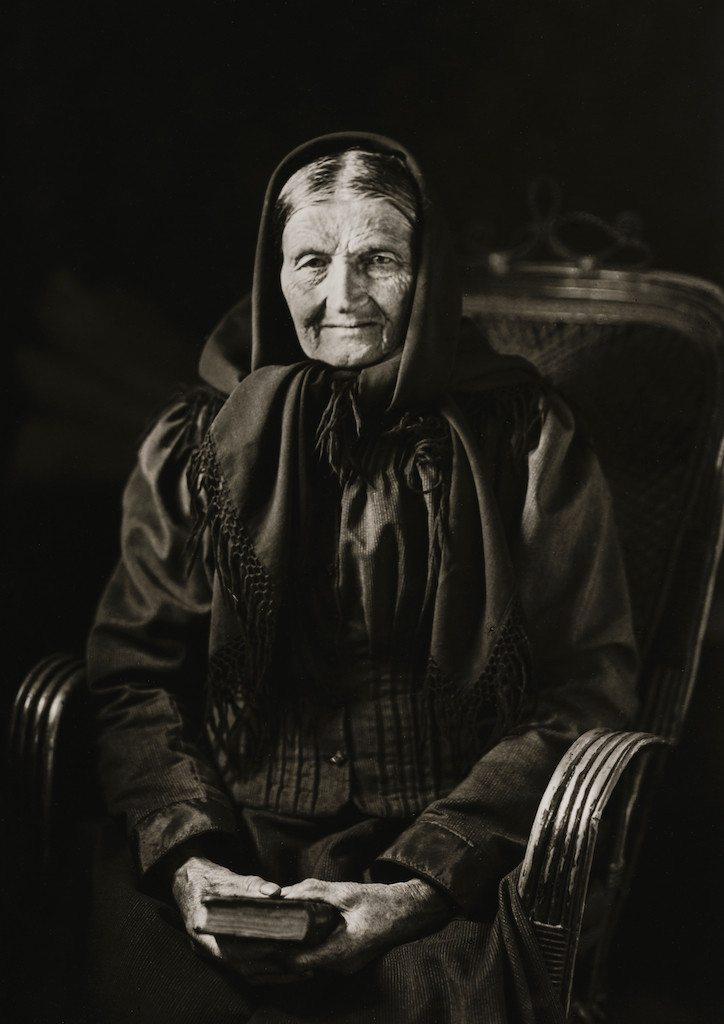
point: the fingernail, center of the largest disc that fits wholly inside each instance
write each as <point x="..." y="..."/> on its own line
<point x="268" y="888"/>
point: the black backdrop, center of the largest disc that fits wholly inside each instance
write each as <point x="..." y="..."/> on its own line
<point x="141" y="139"/>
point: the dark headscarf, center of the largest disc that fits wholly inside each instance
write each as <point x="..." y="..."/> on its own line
<point x="252" y="470"/>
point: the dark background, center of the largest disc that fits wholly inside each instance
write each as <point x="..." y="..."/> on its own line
<point x="140" y="143"/>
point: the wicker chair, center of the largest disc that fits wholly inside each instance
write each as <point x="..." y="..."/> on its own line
<point x="640" y="357"/>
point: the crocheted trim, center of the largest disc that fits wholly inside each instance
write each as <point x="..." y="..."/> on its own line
<point x="463" y="712"/>
<point x="247" y="586"/>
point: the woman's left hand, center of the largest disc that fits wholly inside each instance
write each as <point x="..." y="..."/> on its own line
<point x="376" y="917"/>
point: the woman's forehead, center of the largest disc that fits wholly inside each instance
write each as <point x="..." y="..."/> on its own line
<point x="347" y="223"/>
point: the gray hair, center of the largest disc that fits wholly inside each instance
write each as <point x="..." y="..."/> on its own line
<point x="353" y="173"/>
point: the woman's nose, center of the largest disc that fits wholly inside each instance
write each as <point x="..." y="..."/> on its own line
<point x="344" y="285"/>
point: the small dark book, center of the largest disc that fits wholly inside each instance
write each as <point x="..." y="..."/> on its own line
<point x="305" y="921"/>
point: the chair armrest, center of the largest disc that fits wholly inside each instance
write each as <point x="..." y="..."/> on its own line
<point x="554" y="877"/>
<point x="51" y="694"/>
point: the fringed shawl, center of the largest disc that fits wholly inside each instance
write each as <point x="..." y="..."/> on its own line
<point x="251" y="474"/>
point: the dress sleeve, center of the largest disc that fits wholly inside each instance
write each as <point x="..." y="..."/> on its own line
<point x="146" y="659"/>
<point x="575" y="597"/>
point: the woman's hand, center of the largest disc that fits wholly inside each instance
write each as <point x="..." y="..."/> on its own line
<point x="376" y="917"/>
<point x="199" y="879"/>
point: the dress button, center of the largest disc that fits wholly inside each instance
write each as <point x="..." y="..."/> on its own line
<point x="338" y="758"/>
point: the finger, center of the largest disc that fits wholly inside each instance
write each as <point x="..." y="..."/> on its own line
<point x="335" y="948"/>
<point x="315" y="958"/>
<point x="345" y="896"/>
<point x="230" y="884"/>
<point x="310" y="889"/>
<point x="209" y="945"/>
<point x="242" y="885"/>
<point x="254" y="885"/>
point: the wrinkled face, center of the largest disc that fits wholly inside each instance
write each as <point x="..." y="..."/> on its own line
<point x="347" y="277"/>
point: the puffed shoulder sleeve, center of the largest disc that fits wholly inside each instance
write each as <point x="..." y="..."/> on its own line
<point x="147" y="650"/>
<point x="574" y="594"/>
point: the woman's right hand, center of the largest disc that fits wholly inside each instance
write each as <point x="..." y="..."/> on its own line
<point x="199" y="879"/>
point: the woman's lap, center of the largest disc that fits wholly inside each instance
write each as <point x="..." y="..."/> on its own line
<point x="142" y="967"/>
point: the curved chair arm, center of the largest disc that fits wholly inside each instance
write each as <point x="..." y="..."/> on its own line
<point x="554" y="877"/>
<point x="39" y="713"/>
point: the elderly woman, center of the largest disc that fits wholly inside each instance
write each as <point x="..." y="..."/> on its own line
<point x="369" y="593"/>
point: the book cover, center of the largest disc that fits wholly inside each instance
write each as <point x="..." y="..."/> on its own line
<point x="304" y="921"/>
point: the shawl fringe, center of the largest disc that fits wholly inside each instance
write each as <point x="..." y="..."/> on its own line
<point x="498" y="695"/>
<point x="237" y="718"/>
<point x="247" y="586"/>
